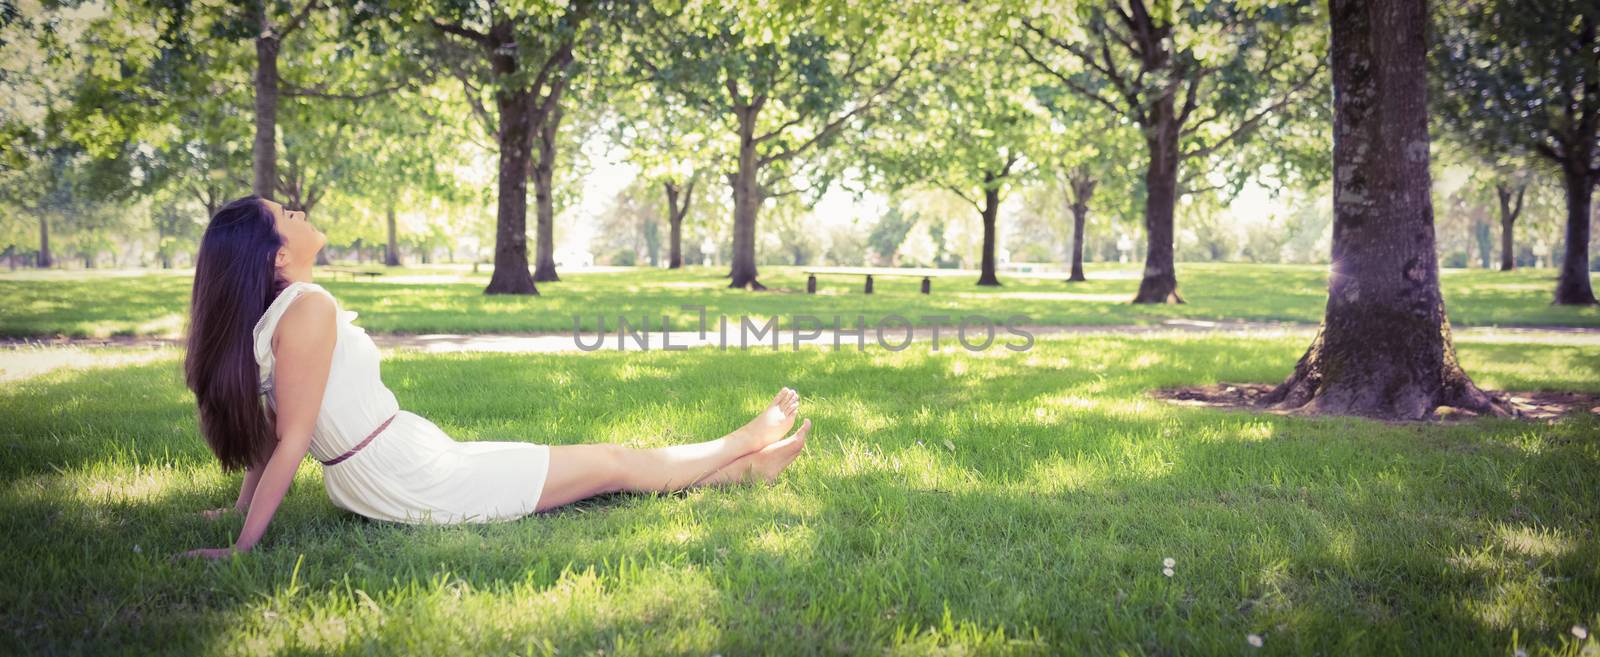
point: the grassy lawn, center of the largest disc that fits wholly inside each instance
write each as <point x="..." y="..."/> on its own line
<point x="949" y="503"/>
<point x="428" y="301"/>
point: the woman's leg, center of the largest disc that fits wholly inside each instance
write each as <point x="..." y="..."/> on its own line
<point x="582" y="471"/>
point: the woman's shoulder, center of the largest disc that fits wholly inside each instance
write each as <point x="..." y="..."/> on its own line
<point x="317" y="311"/>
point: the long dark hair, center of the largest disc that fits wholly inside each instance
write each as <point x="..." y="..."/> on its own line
<point x="235" y="279"/>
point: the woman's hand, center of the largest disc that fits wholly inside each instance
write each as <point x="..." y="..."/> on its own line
<point x="209" y="553"/>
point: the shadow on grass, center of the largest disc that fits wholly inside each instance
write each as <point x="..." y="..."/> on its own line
<point x="953" y="498"/>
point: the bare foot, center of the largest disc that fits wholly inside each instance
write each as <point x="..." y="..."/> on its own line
<point x="767" y="464"/>
<point x="769" y="425"/>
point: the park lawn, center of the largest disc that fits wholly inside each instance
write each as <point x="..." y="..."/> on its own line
<point x="88" y="304"/>
<point x="948" y="503"/>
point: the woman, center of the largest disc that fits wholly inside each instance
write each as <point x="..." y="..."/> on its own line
<point x="258" y="325"/>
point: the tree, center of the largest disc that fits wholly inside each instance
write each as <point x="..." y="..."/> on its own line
<point x="1384" y="348"/>
<point x="667" y="143"/>
<point x="519" y="55"/>
<point x="780" y="83"/>
<point x="1081" y="183"/>
<point x="1197" y="78"/>
<point x="1087" y="148"/>
<point x="1509" y="211"/>
<point x="969" y="128"/>
<point x="1521" y="76"/>
<point x="74" y="109"/>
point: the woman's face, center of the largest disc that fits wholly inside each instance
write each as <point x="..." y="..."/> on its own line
<point x="301" y="240"/>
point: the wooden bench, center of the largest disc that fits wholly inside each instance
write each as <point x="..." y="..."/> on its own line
<point x="353" y="273"/>
<point x="870" y="273"/>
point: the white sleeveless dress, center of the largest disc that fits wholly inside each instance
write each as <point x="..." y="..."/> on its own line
<point x="412" y="471"/>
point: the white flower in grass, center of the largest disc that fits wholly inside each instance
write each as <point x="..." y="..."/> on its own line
<point x="1580" y="631"/>
<point x="1166" y="571"/>
<point x="1169" y="562"/>
<point x="136" y="549"/>
<point x="1519" y="652"/>
<point x="1254" y="640"/>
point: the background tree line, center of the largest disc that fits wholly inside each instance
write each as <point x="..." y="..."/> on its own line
<point x="1073" y="131"/>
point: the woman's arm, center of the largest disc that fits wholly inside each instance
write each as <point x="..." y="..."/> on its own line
<point x="252" y="476"/>
<point x="247" y="489"/>
<point x="300" y="377"/>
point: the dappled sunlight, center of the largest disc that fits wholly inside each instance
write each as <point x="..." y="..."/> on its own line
<point x="1057" y="476"/>
<point x="1255" y="432"/>
<point x="1121" y="409"/>
<point x="169" y="324"/>
<point x="633" y="371"/>
<point x="783" y="542"/>
<point x="1115" y="297"/>
<point x="1536" y="542"/>
<point x="922" y="466"/>
<point x="421" y="300"/>
<point x="141" y="485"/>
<point x="591" y="609"/>
<point x="1049" y="471"/>
<point x="1513" y="588"/>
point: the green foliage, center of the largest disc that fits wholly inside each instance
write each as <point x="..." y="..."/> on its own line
<point x="1517" y="77"/>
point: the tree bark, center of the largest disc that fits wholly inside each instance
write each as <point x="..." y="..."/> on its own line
<point x="265" y="149"/>
<point x="746" y="203"/>
<point x="990" y="213"/>
<point x="511" y="274"/>
<point x="391" y="256"/>
<point x="1384" y="348"/>
<point x="675" y="215"/>
<point x="1160" y="282"/>
<point x="1509" y="209"/>
<point x="1082" y="192"/>
<point x="544" y="268"/>
<point x="44" y="261"/>
<point x="1572" y="286"/>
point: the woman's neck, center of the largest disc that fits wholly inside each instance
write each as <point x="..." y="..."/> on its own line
<point x="297" y="274"/>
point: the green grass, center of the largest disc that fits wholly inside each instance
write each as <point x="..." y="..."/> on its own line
<point x="948" y="503"/>
<point x="97" y="305"/>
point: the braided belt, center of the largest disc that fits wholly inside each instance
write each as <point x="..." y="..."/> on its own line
<point x="340" y="458"/>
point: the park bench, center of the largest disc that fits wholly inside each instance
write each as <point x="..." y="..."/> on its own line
<point x="872" y="272"/>
<point x="353" y="273"/>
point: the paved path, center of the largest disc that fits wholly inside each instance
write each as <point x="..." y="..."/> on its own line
<point x="27" y="358"/>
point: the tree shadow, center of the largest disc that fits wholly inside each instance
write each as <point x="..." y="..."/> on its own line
<point x="1046" y="515"/>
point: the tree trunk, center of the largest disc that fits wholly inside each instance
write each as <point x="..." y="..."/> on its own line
<point x="45" y="260"/>
<point x="391" y="257"/>
<point x="544" y="268"/>
<point x="746" y="203"/>
<point x="1508" y="217"/>
<point x="511" y="274"/>
<point x="1082" y="192"/>
<point x="990" y="212"/>
<point x="1384" y="348"/>
<point x="1572" y="286"/>
<point x="675" y="217"/>
<point x="1482" y="235"/>
<point x="265" y="149"/>
<point x="1160" y="283"/>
